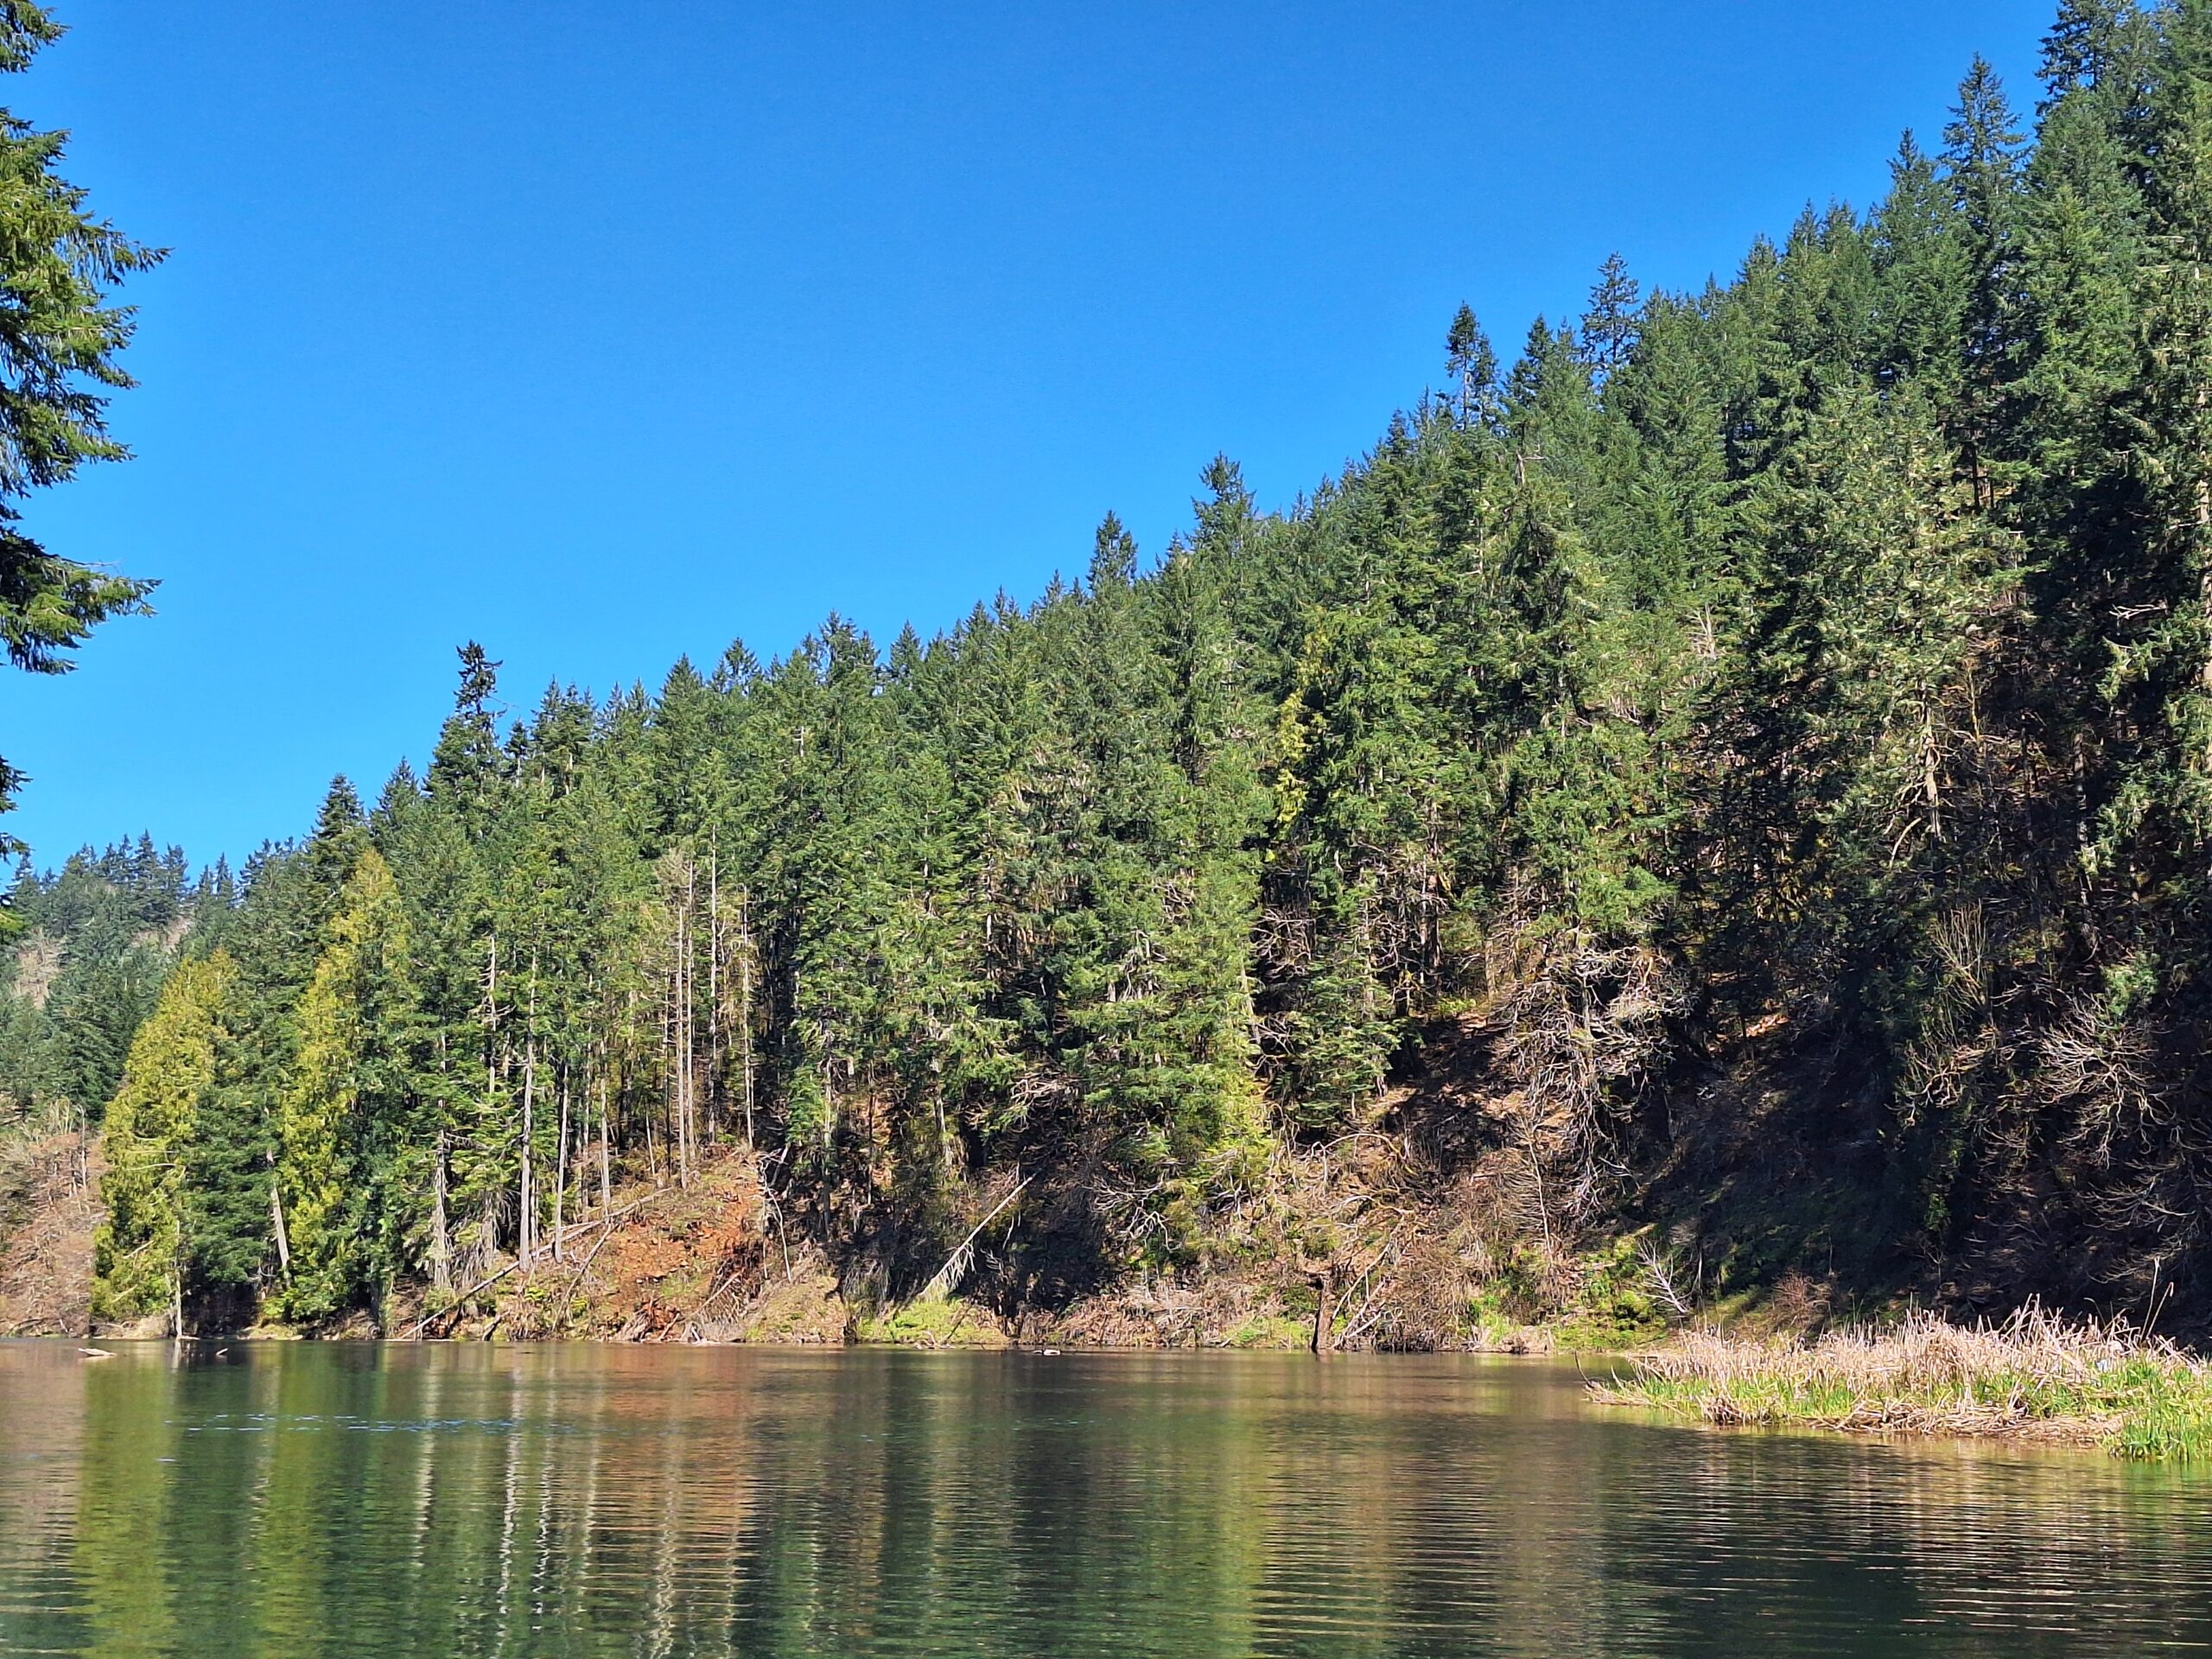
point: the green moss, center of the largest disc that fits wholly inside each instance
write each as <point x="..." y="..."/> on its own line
<point x="1271" y="1331"/>
<point x="1492" y="1331"/>
<point x="932" y="1321"/>
<point x="1612" y="1308"/>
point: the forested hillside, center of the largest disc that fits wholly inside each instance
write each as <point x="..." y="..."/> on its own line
<point x="88" y="949"/>
<point x="1758" y="741"/>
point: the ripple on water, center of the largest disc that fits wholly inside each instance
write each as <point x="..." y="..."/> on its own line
<point x="442" y="1500"/>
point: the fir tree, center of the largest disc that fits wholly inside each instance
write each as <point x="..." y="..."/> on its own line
<point x="352" y="1087"/>
<point x="1608" y="327"/>
<point x="1472" y="366"/>
<point x="59" y="266"/>
<point x="143" y="1246"/>
<point x="1814" y="664"/>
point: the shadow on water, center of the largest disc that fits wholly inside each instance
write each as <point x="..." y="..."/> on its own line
<point x="303" y="1499"/>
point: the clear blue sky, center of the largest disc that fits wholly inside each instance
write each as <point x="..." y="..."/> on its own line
<point x="603" y="334"/>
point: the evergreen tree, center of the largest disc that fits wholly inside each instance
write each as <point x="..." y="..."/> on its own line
<point x="58" y="264"/>
<point x="2086" y="47"/>
<point x="1608" y="327"/>
<point x="349" y="1095"/>
<point x="143" y="1249"/>
<point x="467" y="766"/>
<point x="1982" y="158"/>
<point x="1798" y="687"/>
<point x="1472" y="366"/>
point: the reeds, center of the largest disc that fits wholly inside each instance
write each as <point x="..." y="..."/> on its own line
<point x="2034" y="1376"/>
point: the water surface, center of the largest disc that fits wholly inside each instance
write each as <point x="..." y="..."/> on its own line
<point x="435" y="1501"/>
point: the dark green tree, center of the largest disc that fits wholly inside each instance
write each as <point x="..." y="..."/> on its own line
<point x="59" y="266"/>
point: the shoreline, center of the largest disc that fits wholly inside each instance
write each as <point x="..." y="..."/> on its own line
<point x="2035" y="1377"/>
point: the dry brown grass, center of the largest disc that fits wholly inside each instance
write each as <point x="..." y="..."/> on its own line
<point x="2034" y="1375"/>
<point x="49" y="1206"/>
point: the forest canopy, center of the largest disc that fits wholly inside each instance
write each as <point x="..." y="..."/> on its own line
<point x="1805" y="678"/>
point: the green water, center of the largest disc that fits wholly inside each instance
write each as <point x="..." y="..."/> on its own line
<point x="439" y="1501"/>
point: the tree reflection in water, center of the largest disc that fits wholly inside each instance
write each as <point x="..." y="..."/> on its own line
<point x="302" y="1500"/>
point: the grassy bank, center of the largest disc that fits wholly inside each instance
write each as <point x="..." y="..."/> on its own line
<point x="2033" y="1378"/>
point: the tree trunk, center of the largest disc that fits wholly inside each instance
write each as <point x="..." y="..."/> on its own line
<point x="526" y="1227"/>
<point x="606" y="1156"/>
<point x="561" y="1170"/>
<point x="713" y="990"/>
<point x="277" y="1221"/>
<point x="1325" y="1311"/>
<point x="441" y="1236"/>
<point x="745" y="1001"/>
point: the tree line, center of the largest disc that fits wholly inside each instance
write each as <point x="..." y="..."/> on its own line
<point x="1826" y="652"/>
<point x="95" y="939"/>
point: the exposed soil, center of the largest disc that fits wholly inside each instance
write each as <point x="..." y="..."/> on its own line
<point x="1408" y="1244"/>
<point x="1767" y="1202"/>
<point x="706" y="1262"/>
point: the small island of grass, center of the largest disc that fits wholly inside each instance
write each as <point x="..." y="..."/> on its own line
<point x="2034" y="1377"/>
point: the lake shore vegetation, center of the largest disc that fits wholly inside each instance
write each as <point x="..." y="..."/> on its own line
<point x="2033" y="1376"/>
<point x="1712" y="812"/>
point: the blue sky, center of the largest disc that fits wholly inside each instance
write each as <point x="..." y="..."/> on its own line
<point x="603" y="334"/>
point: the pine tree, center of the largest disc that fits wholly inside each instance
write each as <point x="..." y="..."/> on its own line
<point x="1812" y="664"/>
<point x="143" y="1246"/>
<point x="1981" y="160"/>
<point x="353" y="1084"/>
<point x="2086" y="44"/>
<point x="95" y="1014"/>
<point x="467" y="767"/>
<point x="60" y="264"/>
<point x="1472" y="366"/>
<point x="1608" y="327"/>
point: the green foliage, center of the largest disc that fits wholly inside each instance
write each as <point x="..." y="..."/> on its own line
<point x="2033" y="1378"/>
<point x="58" y="265"/>
<point x="931" y="1320"/>
<point x="142" y="1248"/>
<point x="350" y="1087"/>
<point x="1825" y="653"/>
<point x="92" y="943"/>
<point x="1612" y="1305"/>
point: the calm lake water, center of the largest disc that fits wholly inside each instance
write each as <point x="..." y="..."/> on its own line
<point x="435" y="1501"/>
